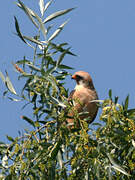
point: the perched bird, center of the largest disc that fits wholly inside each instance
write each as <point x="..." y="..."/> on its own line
<point x="83" y="97"/>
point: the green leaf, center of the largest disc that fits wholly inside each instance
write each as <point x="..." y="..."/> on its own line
<point x="50" y="70"/>
<point x="131" y="111"/>
<point x="62" y="66"/>
<point x="2" y="143"/>
<point x="2" y="77"/>
<point x="52" y="80"/>
<point x="126" y="103"/>
<point x="56" y="101"/>
<point x="33" y="40"/>
<point x="61" y="57"/>
<point x="54" y="150"/>
<point x="10" y="138"/>
<point x="96" y="124"/>
<point x="110" y="94"/>
<point x="9" y="85"/>
<point x="31" y="122"/>
<point x="116" y="99"/>
<point x="56" y="33"/>
<point x="60" y="77"/>
<point x="57" y="14"/>
<point x="116" y="166"/>
<point x="28" y="63"/>
<point x="18" y="30"/>
<point x="60" y="49"/>
<point x="4" y="93"/>
<point x="24" y="61"/>
<point x="42" y="26"/>
<point x="33" y="67"/>
<point x="28" y="12"/>
<point x="120" y="169"/>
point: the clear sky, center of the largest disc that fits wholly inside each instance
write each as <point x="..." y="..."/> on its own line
<point x="101" y="33"/>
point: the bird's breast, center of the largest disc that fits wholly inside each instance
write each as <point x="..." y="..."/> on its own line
<point x="85" y="95"/>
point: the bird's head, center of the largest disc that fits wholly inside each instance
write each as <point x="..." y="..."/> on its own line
<point x="84" y="79"/>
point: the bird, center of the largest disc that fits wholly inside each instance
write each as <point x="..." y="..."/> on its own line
<point x="84" y="98"/>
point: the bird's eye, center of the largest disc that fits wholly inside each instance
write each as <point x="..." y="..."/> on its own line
<point x="79" y="77"/>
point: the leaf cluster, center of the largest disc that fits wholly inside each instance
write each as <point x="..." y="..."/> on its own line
<point x="50" y="150"/>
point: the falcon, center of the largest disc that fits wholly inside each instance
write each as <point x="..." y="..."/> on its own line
<point x="84" y="98"/>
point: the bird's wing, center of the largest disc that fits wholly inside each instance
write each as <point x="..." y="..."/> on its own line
<point x="70" y="121"/>
<point x="74" y="96"/>
<point x="71" y="95"/>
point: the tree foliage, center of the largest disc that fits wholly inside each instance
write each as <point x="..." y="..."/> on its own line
<point x="103" y="150"/>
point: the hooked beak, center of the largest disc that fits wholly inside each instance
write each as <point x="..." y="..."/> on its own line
<point x="73" y="77"/>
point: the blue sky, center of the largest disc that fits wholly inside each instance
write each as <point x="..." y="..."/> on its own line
<point x="101" y="33"/>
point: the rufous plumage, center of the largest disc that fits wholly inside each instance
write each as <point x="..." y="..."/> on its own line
<point x="84" y="98"/>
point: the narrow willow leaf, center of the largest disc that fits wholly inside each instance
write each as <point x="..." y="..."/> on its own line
<point x="53" y="81"/>
<point x="58" y="102"/>
<point x="110" y="94"/>
<point x="59" y="157"/>
<point x="9" y="85"/>
<point x="42" y="26"/>
<point x="50" y="70"/>
<point x="28" y="120"/>
<point x="87" y="175"/>
<point x="27" y="75"/>
<point x="126" y="103"/>
<point x="133" y="143"/>
<point x="116" y="99"/>
<point x="18" y="30"/>
<point x="131" y="111"/>
<point x="120" y="169"/>
<point x="60" y="77"/>
<point x="28" y="12"/>
<point x="56" y="33"/>
<point x="13" y="99"/>
<point x="61" y="57"/>
<point x="20" y="34"/>
<point x="10" y="138"/>
<point x="33" y="67"/>
<point x="47" y="5"/>
<point x="57" y="14"/>
<point x="24" y="61"/>
<point x="33" y="40"/>
<point x="32" y="14"/>
<point x="2" y="77"/>
<point x="41" y="5"/>
<point x="2" y="144"/>
<point x="110" y="172"/>
<point x="5" y="161"/>
<point x="4" y="94"/>
<point x="62" y="66"/>
<point x="116" y="166"/>
<point x="60" y="49"/>
<point x="96" y="124"/>
<point x="55" y="150"/>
